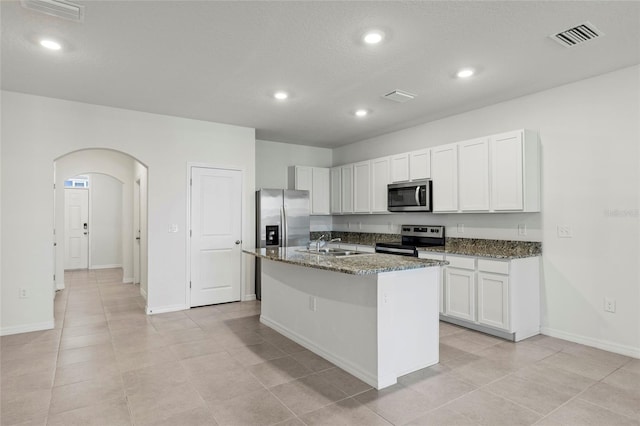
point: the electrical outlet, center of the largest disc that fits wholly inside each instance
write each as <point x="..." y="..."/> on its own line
<point x="609" y="305"/>
<point x="360" y="226"/>
<point x="22" y="293"/>
<point x="522" y="229"/>
<point x="461" y="228"/>
<point x="173" y="228"/>
<point x="313" y="306"/>
<point x="564" y="231"/>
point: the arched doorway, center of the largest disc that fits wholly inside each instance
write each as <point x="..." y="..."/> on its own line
<point x="132" y="174"/>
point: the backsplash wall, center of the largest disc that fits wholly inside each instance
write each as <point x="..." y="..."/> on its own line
<point x="499" y="226"/>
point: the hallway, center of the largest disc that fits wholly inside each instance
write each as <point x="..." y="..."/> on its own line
<point x="107" y="363"/>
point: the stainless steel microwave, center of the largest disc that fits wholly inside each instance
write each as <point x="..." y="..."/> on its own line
<point x="409" y="196"/>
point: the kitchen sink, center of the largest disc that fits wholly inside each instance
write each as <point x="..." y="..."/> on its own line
<point x="335" y="252"/>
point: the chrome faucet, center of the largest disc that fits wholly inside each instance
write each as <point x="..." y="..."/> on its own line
<point x="334" y="240"/>
<point x="317" y="243"/>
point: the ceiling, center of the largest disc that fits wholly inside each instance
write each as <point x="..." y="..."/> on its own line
<point x="222" y="61"/>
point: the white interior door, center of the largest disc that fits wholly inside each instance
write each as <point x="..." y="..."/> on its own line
<point x="216" y="232"/>
<point x="76" y="229"/>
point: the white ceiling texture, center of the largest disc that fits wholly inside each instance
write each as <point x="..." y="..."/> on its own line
<point x="222" y="61"/>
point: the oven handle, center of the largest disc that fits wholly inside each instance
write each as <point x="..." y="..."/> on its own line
<point x="395" y="250"/>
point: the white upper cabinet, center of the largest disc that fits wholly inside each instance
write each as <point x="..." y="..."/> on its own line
<point x="346" y="185"/>
<point x="361" y="187"/>
<point x="400" y="168"/>
<point x="444" y="173"/>
<point x="420" y="164"/>
<point x="320" y="191"/>
<point x="303" y="178"/>
<point x="380" y="171"/>
<point x="473" y="175"/>
<point x="336" y="190"/>
<point x="499" y="173"/>
<point x="316" y="181"/>
<point x="515" y="171"/>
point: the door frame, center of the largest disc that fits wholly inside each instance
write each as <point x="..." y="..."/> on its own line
<point x="243" y="216"/>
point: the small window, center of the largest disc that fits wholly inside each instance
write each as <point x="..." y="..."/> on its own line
<point x="77" y="182"/>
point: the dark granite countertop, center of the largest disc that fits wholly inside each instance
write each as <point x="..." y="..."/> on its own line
<point x="362" y="264"/>
<point x="499" y="249"/>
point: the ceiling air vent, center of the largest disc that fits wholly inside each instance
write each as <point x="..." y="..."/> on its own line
<point x="57" y="8"/>
<point x="399" y="96"/>
<point x="577" y="35"/>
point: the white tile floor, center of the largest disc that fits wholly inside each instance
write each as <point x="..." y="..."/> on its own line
<point x="107" y="363"/>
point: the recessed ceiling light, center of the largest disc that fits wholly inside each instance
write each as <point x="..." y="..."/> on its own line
<point x="373" y="37"/>
<point x="361" y="113"/>
<point x="465" y="73"/>
<point x="280" y="95"/>
<point x="50" y="44"/>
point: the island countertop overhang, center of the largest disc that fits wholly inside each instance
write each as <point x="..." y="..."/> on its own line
<point x="361" y="264"/>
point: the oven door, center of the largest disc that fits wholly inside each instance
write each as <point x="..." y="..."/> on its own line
<point x="409" y="197"/>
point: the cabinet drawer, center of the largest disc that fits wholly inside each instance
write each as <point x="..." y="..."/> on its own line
<point x="431" y="256"/>
<point x="461" y="262"/>
<point x="495" y="266"/>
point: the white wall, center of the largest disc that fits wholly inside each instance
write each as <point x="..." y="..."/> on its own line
<point x="590" y="135"/>
<point x="106" y="216"/>
<point x="37" y="130"/>
<point x="274" y="159"/>
<point x="274" y="169"/>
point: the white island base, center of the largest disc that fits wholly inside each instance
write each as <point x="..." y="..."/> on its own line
<point x="377" y="327"/>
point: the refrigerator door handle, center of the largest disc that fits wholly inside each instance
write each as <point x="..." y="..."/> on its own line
<point x="283" y="216"/>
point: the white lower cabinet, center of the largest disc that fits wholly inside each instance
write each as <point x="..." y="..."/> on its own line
<point x="493" y="300"/>
<point x="499" y="297"/>
<point x="459" y="293"/>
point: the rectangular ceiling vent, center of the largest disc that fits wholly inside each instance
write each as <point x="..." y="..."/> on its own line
<point x="399" y="96"/>
<point x="57" y="8"/>
<point x="577" y="35"/>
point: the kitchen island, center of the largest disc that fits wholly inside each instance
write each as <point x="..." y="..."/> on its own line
<point x="373" y="315"/>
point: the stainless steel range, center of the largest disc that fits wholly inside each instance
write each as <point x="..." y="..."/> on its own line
<point x="414" y="236"/>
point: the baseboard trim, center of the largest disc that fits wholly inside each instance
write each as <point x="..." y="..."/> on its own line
<point x="127" y="280"/>
<point x="165" y="309"/>
<point x="589" y="341"/>
<point x="249" y="297"/>
<point x="366" y="377"/>
<point x="105" y="266"/>
<point x="26" y="328"/>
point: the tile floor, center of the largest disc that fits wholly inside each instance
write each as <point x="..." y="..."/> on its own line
<point x="107" y="363"/>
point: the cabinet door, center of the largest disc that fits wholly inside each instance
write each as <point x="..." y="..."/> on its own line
<point x="379" y="182"/>
<point x="506" y="172"/>
<point x="420" y="164"/>
<point x="361" y="187"/>
<point x="444" y="173"/>
<point x="346" y="200"/>
<point x="336" y="190"/>
<point x="493" y="300"/>
<point x="320" y="196"/>
<point x="459" y="297"/>
<point x="473" y="175"/>
<point x="400" y="168"/>
<point x="304" y="181"/>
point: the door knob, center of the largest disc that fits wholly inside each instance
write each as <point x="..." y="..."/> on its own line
<point x="238" y="242"/>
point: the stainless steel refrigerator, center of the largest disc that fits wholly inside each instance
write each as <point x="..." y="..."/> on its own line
<point x="282" y="220"/>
